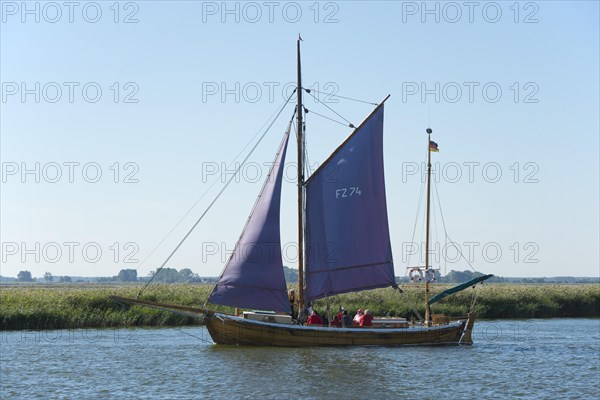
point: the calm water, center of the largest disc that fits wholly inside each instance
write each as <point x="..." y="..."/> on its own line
<point x="511" y="359"/>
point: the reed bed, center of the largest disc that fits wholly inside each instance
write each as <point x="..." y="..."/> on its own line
<point x="76" y="306"/>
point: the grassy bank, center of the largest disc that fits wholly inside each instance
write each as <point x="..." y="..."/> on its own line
<point x="75" y="306"/>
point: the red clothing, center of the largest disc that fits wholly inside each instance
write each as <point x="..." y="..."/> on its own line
<point x="314" y="320"/>
<point x="366" y="320"/>
<point x="337" y="323"/>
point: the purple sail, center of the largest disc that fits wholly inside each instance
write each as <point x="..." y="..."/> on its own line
<point x="253" y="277"/>
<point x="347" y="233"/>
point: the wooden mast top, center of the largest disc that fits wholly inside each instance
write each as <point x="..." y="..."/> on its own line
<point x="300" y="147"/>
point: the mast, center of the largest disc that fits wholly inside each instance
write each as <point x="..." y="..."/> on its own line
<point x="427" y="307"/>
<point x="300" y="147"/>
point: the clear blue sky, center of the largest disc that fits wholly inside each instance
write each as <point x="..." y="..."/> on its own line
<point x="173" y="124"/>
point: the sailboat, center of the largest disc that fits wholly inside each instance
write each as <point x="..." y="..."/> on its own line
<point x="344" y="246"/>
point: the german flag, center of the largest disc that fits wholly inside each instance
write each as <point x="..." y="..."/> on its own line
<point x="433" y="146"/>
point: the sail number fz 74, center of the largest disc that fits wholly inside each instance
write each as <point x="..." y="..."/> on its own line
<point x="351" y="191"/>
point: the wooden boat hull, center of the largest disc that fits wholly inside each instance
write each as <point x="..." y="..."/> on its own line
<point x="232" y="330"/>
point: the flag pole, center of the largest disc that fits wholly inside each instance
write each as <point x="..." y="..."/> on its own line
<point x="427" y="307"/>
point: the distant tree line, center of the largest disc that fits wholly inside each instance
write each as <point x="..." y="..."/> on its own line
<point x="25" y="276"/>
<point x="166" y="275"/>
<point x="185" y="275"/>
<point x="171" y="275"/>
<point x="291" y="275"/>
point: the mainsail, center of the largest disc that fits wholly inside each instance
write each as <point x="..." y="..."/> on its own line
<point x="253" y="277"/>
<point x="347" y="233"/>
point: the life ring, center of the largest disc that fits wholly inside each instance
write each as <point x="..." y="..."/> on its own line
<point x="413" y="274"/>
<point x="430" y="276"/>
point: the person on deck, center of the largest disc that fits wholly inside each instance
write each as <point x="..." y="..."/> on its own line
<point x="366" y="319"/>
<point x="314" y="319"/>
<point x="292" y="299"/>
<point x="346" y="319"/>
<point x="306" y="312"/>
<point x="356" y="320"/>
<point x="309" y="308"/>
<point x="336" y="322"/>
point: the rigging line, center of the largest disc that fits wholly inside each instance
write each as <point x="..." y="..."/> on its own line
<point x="194" y="336"/>
<point x="446" y="231"/>
<point x="341" y="97"/>
<point x="331" y="109"/>
<point x="333" y="120"/>
<point x="461" y="254"/>
<point x="217" y="179"/>
<point x="435" y="228"/>
<point x="215" y="199"/>
<point x="475" y="294"/>
<point x="305" y="147"/>
<point x="419" y="203"/>
<point x="437" y="196"/>
<point x="412" y="306"/>
<point x="305" y="155"/>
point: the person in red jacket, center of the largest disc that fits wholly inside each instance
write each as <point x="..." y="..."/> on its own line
<point x="357" y="317"/>
<point x="340" y="315"/>
<point x="314" y="319"/>
<point x="336" y="322"/>
<point x="366" y="319"/>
